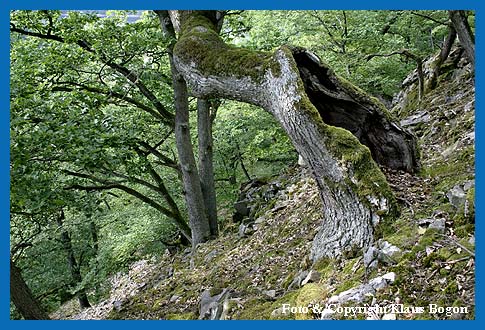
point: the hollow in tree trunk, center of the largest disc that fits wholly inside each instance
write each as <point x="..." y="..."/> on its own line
<point x="355" y="194"/>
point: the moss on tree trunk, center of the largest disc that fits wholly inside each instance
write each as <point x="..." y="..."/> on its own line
<point x="355" y="193"/>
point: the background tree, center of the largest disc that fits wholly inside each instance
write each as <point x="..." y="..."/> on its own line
<point x="93" y="119"/>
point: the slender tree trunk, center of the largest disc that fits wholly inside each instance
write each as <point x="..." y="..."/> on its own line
<point x="73" y="265"/>
<point x="241" y="161"/>
<point x="94" y="235"/>
<point x="22" y="297"/>
<point x="198" y="220"/>
<point x="465" y="34"/>
<point x="444" y="53"/>
<point x="354" y="192"/>
<point x="206" y="167"/>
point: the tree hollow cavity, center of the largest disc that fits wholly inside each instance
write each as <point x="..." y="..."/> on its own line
<point x="343" y="105"/>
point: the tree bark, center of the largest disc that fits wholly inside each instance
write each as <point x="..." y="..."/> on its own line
<point x="206" y="168"/>
<point x="341" y="104"/>
<point x="354" y="192"/>
<point x="72" y="263"/>
<point x="444" y="53"/>
<point x="464" y="32"/>
<point x="22" y="297"/>
<point x="198" y="220"/>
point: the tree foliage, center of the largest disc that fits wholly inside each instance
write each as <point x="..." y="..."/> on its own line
<point x="92" y="120"/>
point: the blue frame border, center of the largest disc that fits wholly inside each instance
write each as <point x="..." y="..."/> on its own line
<point x="7" y="5"/>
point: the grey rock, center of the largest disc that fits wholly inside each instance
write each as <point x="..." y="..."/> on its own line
<point x="420" y="117"/>
<point x="468" y="185"/>
<point x="389" y="316"/>
<point x="370" y="258"/>
<point x="270" y="293"/>
<point x="439" y="225"/>
<point x="359" y="293"/>
<point x="277" y="313"/>
<point x="296" y="283"/>
<point x="117" y="304"/>
<point x="312" y="277"/>
<point x="388" y="253"/>
<point x="301" y="161"/>
<point x="456" y="196"/>
<point x="425" y="222"/>
<point x="211" y="308"/>
<point x="174" y="298"/>
<point x="245" y="230"/>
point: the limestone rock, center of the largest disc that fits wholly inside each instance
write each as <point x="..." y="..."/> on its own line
<point x="312" y="277"/>
<point x="439" y="225"/>
<point x="456" y="196"/>
<point x="211" y="307"/>
<point x="359" y="293"/>
<point x="270" y="293"/>
<point x="389" y="316"/>
<point x="370" y="258"/>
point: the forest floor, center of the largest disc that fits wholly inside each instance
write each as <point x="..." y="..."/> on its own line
<point x="252" y="270"/>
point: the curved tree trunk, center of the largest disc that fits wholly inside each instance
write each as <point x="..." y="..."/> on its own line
<point x="354" y="192"/>
<point x="22" y="297"/>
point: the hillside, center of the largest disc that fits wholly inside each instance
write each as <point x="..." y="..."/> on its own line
<point x="257" y="267"/>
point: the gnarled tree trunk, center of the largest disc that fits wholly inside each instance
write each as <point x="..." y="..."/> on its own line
<point x="354" y="192"/>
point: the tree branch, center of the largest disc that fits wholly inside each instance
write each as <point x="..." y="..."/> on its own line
<point x="167" y="116"/>
<point x="108" y="93"/>
<point x="445" y="23"/>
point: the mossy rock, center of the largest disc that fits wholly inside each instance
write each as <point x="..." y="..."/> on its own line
<point x="312" y="293"/>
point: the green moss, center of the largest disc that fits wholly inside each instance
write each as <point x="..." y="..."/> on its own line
<point x="362" y="97"/>
<point x="452" y="288"/>
<point x="312" y="293"/>
<point x="367" y="178"/>
<point x="463" y="230"/>
<point x="404" y="233"/>
<point x="181" y="316"/>
<point x="200" y="43"/>
<point x="430" y="236"/>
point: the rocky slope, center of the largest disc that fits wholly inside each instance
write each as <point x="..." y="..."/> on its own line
<point x="260" y="269"/>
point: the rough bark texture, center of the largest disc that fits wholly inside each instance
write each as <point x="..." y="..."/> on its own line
<point x="22" y="297"/>
<point x="193" y="191"/>
<point x="72" y="264"/>
<point x="198" y="220"/>
<point x="464" y="32"/>
<point x="206" y="169"/>
<point x="355" y="193"/>
<point x="341" y="104"/>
